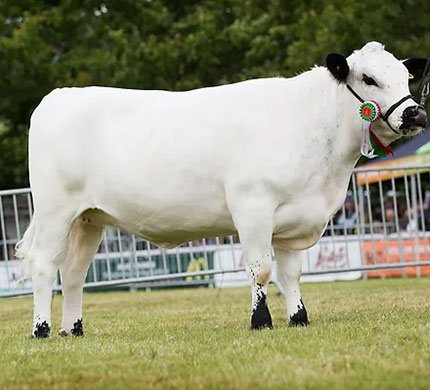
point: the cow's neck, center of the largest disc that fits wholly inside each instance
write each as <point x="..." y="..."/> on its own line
<point x="340" y="119"/>
<point x="348" y="132"/>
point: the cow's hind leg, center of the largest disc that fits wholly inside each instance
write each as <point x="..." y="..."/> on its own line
<point x="46" y="253"/>
<point x="254" y="223"/>
<point x="84" y="240"/>
<point x="289" y="270"/>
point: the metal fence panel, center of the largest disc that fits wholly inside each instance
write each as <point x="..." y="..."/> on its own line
<point x="382" y="229"/>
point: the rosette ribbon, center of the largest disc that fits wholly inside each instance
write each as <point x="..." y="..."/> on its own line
<point x="371" y="146"/>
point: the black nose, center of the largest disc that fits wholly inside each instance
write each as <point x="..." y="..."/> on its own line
<point x="415" y="115"/>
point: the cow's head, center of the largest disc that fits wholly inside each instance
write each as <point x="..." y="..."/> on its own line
<point x="375" y="74"/>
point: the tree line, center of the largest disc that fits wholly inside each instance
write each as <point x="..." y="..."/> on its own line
<point x="177" y="45"/>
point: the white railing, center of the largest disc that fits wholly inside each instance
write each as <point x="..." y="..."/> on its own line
<point x="382" y="229"/>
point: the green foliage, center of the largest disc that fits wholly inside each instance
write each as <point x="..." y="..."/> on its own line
<point x="177" y="45"/>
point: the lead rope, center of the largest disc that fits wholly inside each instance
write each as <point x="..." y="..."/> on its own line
<point x="424" y="93"/>
<point x="425" y="83"/>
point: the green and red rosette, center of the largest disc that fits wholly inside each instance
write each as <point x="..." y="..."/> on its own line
<point x="370" y="111"/>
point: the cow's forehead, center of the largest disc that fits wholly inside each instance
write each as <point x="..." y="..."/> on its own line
<point x="374" y="59"/>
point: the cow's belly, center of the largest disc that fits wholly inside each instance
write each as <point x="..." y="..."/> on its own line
<point x="168" y="236"/>
<point x="165" y="213"/>
<point x="169" y="229"/>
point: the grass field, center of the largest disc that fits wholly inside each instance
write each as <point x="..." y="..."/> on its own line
<point x="365" y="334"/>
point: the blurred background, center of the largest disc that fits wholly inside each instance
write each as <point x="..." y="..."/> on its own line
<point x="177" y="45"/>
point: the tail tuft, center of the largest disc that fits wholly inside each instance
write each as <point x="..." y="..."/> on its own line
<point x="22" y="249"/>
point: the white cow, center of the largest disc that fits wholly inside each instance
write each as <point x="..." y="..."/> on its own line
<point x="269" y="159"/>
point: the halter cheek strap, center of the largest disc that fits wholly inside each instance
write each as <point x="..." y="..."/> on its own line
<point x="354" y="93"/>
<point x="395" y="105"/>
<point x="389" y="111"/>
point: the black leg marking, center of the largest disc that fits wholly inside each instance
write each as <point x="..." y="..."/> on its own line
<point x="261" y="317"/>
<point x="42" y="330"/>
<point x="78" y="329"/>
<point x="300" y="318"/>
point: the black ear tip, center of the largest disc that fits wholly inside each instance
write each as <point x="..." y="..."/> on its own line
<point x="338" y="66"/>
<point x="331" y="59"/>
<point x="335" y="57"/>
<point x="332" y="56"/>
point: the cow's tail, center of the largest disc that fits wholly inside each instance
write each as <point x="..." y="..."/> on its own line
<point x="22" y="249"/>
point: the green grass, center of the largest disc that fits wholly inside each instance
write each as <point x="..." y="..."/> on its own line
<point x="365" y="334"/>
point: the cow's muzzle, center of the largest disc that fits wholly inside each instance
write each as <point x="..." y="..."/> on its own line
<point x="408" y="125"/>
<point x="414" y="117"/>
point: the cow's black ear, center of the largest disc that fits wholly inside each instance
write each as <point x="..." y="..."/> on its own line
<point x="415" y="67"/>
<point x="338" y="66"/>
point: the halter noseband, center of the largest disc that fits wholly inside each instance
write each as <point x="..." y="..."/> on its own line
<point x="389" y="111"/>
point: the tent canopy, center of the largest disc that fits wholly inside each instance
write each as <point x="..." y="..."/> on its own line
<point x="407" y="149"/>
<point x="416" y="151"/>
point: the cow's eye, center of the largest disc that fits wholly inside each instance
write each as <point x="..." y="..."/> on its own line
<point x="369" y="81"/>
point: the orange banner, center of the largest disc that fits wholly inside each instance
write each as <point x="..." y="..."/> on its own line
<point x="396" y="251"/>
<point x="382" y="175"/>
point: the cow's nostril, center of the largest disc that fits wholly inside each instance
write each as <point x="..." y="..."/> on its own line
<point x="411" y="112"/>
<point x="414" y="116"/>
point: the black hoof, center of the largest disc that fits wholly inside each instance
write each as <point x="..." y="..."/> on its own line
<point x="78" y="329"/>
<point x="261" y="317"/>
<point x="300" y="318"/>
<point x="42" y="330"/>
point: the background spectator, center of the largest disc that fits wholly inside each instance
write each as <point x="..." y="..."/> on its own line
<point x="347" y="220"/>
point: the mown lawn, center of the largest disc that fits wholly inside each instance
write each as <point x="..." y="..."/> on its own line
<point x="365" y="334"/>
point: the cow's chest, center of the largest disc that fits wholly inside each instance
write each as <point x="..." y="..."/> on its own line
<point x="300" y="222"/>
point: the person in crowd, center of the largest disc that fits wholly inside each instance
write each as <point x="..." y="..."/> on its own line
<point x="390" y="218"/>
<point x="378" y="227"/>
<point x="348" y="219"/>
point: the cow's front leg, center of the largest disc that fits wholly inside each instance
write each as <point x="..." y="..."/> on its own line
<point x="254" y="223"/>
<point x="289" y="270"/>
<point x="259" y="272"/>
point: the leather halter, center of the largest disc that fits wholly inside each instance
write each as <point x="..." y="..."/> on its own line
<point x="389" y="111"/>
